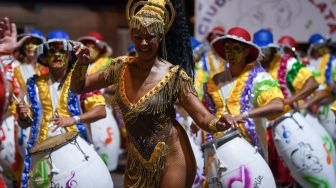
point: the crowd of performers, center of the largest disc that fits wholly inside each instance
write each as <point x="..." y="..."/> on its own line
<point x="234" y="110"/>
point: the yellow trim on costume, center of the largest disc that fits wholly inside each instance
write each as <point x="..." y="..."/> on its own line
<point x="12" y="108"/>
<point x="92" y="101"/>
<point x="97" y="65"/>
<point x="333" y="107"/>
<point x="45" y="100"/>
<point x="146" y="173"/>
<point x="150" y="93"/>
<point x="274" y="67"/>
<point x="200" y="78"/>
<point x="233" y="101"/>
<point x="160" y="150"/>
<point x="301" y="78"/>
<point x="322" y="67"/>
<point x="95" y="99"/>
<point x="62" y="107"/>
<point x="267" y="96"/>
<point x="19" y="77"/>
<point x="217" y="98"/>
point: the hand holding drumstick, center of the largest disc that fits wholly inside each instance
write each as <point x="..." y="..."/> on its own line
<point x="22" y="109"/>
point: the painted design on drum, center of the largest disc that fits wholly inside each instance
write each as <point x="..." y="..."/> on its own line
<point x="316" y="182"/>
<point x="71" y="183"/>
<point x="242" y="180"/>
<point x="285" y="134"/>
<point x="257" y="181"/>
<point x="303" y="158"/>
<point x="108" y="140"/>
<point x="41" y="174"/>
<point x="199" y="177"/>
<point x="327" y="145"/>
<point x="104" y="157"/>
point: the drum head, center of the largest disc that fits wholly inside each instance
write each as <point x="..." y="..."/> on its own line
<point x="53" y="143"/>
<point x="222" y="140"/>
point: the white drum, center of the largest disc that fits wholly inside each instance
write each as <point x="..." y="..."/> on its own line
<point x="303" y="151"/>
<point x="230" y="161"/>
<point x="327" y="118"/>
<point x="67" y="160"/>
<point x="325" y="137"/>
<point x="106" y="138"/>
<point x="7" y="150"/>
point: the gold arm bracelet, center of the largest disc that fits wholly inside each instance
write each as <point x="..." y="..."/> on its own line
<point x="212" y="125"/>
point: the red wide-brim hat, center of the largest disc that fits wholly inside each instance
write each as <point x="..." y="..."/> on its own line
<point x="100" y="44"/>
<point x="241" y="35"/>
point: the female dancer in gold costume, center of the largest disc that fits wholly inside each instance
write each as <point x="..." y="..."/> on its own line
<point x="147" y="87"/>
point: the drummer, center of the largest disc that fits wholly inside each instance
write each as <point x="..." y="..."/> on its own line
<point x="8" y="45"/>
<point x="207" y="62"/>
<point x="245" y="90"/>
<point x="29" y="65"/>
<point x="54" y="106"/>
<point x="321" y="62"/>
<point x="22" y="71"/>
<point x="300" y="82"/>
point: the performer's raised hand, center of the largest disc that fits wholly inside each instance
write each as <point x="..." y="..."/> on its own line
<point x="8" y="36"/>
<point x="83" y="55"/>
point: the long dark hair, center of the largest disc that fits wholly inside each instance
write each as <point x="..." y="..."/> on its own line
<point x="179" y="51"/>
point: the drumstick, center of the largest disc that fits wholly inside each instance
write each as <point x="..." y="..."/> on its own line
<point x="18" y="101"/>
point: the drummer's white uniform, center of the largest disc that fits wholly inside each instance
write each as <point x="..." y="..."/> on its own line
<point x="73" y="164"/>
<point x="265" y="95"/>
<point x="231" y="163"/>
<point x="325" y="115"/>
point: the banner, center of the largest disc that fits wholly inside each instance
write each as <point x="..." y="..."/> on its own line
<point x="298" y="18"/>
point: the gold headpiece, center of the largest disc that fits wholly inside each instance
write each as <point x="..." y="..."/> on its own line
<point x="151" y="14"/>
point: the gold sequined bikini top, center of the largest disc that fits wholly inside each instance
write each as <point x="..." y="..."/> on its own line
<point x="149" y="120"/>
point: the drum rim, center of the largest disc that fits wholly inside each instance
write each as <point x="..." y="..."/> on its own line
<point x="283" y="117"/>
<point x="222" y="140"/>
<point x="50" y="150"/>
